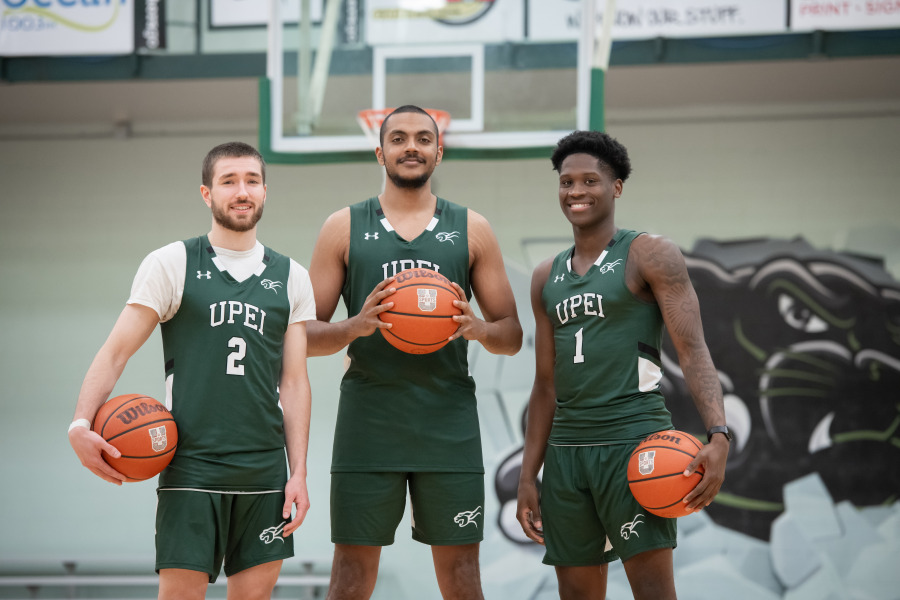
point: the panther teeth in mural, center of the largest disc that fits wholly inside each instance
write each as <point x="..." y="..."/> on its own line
<point x="807" y="345"/>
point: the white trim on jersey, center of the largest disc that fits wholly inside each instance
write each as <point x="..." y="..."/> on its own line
<point x="596" y="262"/>
<point x="430" y="227"/>
<point x="218" y="491"/>
<point x="649" y="375"/>
<point x="579" y="445"/>
<point x="159" y="282"/>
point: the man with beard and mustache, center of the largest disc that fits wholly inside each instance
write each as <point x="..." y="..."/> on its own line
<point x="405" y="420"/>
<point x="233" y="318"/>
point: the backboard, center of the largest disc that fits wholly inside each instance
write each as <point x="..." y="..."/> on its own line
<point x="516" y="75"/>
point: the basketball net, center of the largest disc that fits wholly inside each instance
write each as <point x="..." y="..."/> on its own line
<point x="371" y="119"/>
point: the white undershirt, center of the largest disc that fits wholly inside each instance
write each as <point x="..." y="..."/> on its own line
<point x="159" y="281"/>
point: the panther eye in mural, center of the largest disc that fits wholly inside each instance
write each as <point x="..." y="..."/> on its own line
<point x="807" y="345"/>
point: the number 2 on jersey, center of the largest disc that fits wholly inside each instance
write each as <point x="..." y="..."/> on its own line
<point x="240" y="351"/>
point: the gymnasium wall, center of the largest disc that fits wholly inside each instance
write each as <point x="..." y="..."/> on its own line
<point x="81" y="208"/>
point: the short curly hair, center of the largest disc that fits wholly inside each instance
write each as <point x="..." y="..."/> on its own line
<point x="596" y="143"/>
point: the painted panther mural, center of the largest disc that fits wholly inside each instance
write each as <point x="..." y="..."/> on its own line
<point x="807" y="345"/>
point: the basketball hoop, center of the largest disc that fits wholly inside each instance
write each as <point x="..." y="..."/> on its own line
<point x="371" y="119"/>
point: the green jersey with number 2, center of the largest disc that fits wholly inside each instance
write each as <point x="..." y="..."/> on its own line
<point x="223" y="351"/>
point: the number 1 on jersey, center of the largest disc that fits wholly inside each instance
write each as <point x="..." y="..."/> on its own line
<point x="579" y="343"/>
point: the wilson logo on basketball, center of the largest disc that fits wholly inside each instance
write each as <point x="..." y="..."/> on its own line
<point x="130" y="414"/>
<point x="666" y="437"/>
<point x="408" y="274"/>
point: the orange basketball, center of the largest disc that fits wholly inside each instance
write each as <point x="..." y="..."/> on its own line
<point x="656" y="472"/>
<point x="142" y="429"/>
<point x="422" y="315"/>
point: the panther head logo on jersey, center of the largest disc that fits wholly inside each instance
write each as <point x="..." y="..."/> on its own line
<point x="610" y="266"/>
<point x="447" y="236"/>
<point x="271" y="285"/>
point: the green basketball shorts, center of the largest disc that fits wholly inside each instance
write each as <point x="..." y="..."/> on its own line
<point x="588" y="512"/>
<point x="198" y="530"/>
<point x="447" y="509"/>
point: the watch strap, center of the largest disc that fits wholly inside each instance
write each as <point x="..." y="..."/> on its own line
<point x="723" y="429"/>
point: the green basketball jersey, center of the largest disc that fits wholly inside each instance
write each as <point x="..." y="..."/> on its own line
<point x="607" y="342"/>
<point x="223" y="352"/>
<point x="398" y="411"/>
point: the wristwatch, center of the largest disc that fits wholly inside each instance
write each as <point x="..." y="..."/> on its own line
<point x="723" y="429"/>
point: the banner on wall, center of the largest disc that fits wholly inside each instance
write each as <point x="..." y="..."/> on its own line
<point x="560" y="20"/>
<point x="392" y="22"/>
<point x="150" y="25"/>
<point x="810" y="15"/>
<point x="242" y="13"/>
<point x="33" y="28"/>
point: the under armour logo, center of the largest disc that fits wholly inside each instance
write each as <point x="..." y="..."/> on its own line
<point x="271" y="285"/>
<point x="467" y="516"/>
<point x="559" y="278"/>
<point x="372" y="236"/>
<point x="201" y="275"/>
<point x="628" y="528"/>
<point x="273" y="533"/>
<point x="447" y="236"/>
<point x="609" y="266"/>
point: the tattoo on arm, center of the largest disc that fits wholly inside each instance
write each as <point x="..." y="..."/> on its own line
<point x="668" y="278"/>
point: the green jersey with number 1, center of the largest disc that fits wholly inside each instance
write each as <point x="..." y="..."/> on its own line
<point x="607" y="342"/>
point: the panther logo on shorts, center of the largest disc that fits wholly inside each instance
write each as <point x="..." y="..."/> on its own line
<point x="273" y="533"/>
<point x="467" y="516"/>
<point x="627" y="529"/>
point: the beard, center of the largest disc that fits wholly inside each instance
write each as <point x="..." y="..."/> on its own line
<point x="412" y="183"/>
<point x="239" y="225"/>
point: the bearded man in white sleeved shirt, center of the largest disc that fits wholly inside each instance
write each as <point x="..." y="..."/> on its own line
<point x="233" y="318"/>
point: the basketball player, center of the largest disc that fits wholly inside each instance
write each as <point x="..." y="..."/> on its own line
<point x="232" y="315"/>
<point x="407" y="421"/>
<point x="600" y="308"/>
